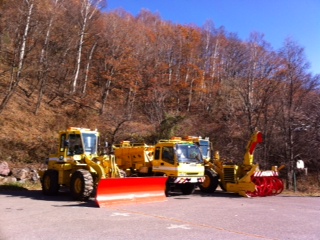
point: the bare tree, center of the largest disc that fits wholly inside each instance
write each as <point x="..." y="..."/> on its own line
<point x="27" y="10"/>
<point x="43" y="61"/>
<point x="88" y="10"/>
<point x="296" y="85"/>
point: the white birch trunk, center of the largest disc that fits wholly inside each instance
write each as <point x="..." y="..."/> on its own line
<point x="16" y="79"/>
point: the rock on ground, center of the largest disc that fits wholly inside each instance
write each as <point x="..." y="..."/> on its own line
<point x="17" y="174"/>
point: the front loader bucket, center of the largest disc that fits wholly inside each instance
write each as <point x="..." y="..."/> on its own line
<point x="115" y="191"/>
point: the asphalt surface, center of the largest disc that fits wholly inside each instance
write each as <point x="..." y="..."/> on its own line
<point x="30" y="215"/>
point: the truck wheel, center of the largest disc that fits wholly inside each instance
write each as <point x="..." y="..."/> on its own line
<point x="122" y="173"/>
<point x="81" y="185"/>
<point x="169" y="187"/>
<point x="50" y="184"/>
<point x="187" y="188"/>
<point x="210" y="183"/>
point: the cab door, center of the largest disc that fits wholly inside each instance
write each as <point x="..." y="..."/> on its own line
<point x="165" y="161"/>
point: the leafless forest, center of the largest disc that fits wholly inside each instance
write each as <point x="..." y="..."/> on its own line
<point x="140" y="78"/>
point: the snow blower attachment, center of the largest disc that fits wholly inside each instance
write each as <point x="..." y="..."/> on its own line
<point x="246" y="179"/>
<point x="77" y="165"/>
<point x="267" y="183"/>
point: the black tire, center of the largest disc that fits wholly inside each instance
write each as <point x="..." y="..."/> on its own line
<point x="50" y="183"/>
<point x="187" y="188"/>
<point x="210" y="183"/>
<point x="169" y="187"/>
<point x="122" y="173"/>
<point x="81" y="185"/>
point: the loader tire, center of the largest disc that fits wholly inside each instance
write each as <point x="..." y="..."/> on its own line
<point x="81" y="185"/>
<point x="222" y="186"/>
<point x="187" y="188"/>
<point x="210" y="183"/>
<point x="50" y="183"/>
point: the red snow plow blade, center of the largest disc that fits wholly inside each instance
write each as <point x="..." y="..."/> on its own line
<point x="115" y="191"/>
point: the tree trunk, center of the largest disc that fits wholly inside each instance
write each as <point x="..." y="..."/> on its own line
<point x="17" y="77"/>
<point x="87" y="69"/>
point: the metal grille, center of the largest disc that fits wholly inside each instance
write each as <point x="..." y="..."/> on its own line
<point x="229" y="175"/>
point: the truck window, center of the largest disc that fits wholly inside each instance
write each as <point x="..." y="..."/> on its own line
<point x="205" y="148"/>
<point x="62" y="142"/>
<point x="75" y="144"/>
<point x="90" y="141"/>
<point x="157" y="154"/>
<point x="168" y="154"/>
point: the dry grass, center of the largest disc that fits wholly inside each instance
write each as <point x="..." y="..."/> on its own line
<point x="313" y="193"/>
<point x="29" y="138"/>
<point x="306" y="185"/>
<point x="20" y="186"/>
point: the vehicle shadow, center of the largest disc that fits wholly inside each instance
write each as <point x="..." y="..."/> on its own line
<point x="218" y="193"/>
<point x="63" y="196"/>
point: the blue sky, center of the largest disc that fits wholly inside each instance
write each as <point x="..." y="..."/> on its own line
<point x="276" y="19"/>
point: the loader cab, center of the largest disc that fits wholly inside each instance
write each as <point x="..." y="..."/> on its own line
<point x="79" y="142"/>
<point x="204" y="145"/>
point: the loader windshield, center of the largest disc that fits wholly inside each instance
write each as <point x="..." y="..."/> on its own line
<point x="90" y="141"/>
<point x="188" y="153"/>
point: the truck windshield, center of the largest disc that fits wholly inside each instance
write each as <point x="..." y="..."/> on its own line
<point x="188" y="153"/>
<point x="90" y="143"/>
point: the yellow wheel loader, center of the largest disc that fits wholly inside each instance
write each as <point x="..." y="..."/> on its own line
<point x="181" y="161"/>
<point x="78" y="166"/>
<point x="246" y="179"/>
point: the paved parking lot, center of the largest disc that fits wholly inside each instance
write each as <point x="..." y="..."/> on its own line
<point x="30" y="215"/>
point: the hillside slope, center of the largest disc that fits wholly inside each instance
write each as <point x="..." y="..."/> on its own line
<point x="26" y="137"/>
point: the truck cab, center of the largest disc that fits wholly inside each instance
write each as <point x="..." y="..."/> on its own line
<point x="181" y="161"/>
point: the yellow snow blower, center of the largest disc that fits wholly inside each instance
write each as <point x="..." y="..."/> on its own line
<point x="246" y="179"/>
